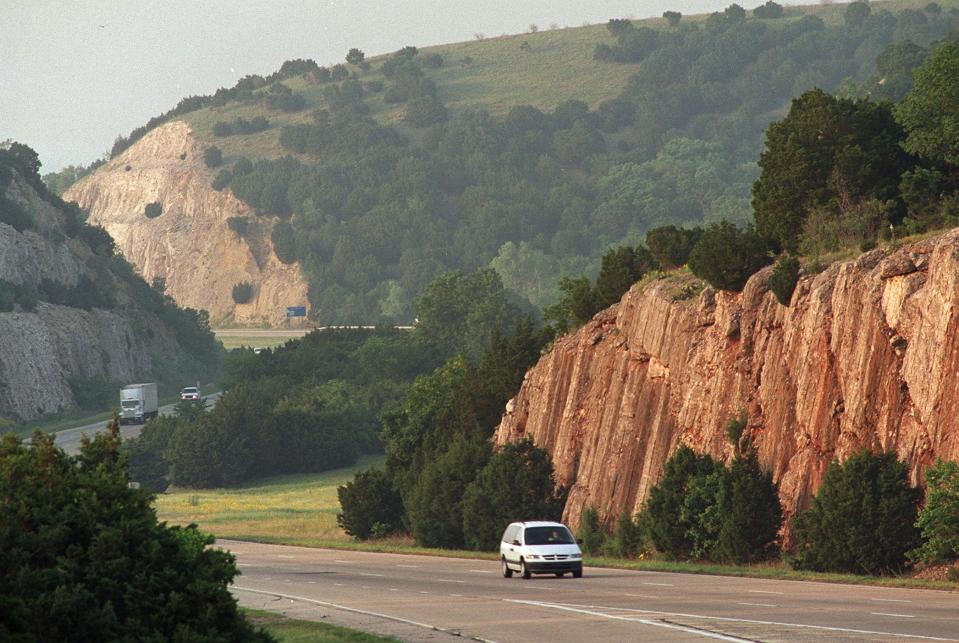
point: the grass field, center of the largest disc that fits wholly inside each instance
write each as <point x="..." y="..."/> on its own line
<point x="249" y="337"/>
<point x="301" y="510"/>
<point x="289" y="630"/>
<point x="296" y="510"/>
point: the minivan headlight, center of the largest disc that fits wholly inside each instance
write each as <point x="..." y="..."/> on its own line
<point x="532" y="556"/>
<point x="575" y="555"/>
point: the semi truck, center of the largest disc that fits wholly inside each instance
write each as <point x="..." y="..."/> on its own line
<point x="138" y="403"/>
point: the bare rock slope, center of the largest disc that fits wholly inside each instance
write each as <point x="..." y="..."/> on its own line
<point x="43" y="349"/>
<point x="190" y="245"/>
<point x="866" y="355"/>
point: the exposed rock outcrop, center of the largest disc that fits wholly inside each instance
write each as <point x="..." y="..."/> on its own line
<point x="866" y="355"/>
<point x="190" y="245"/>
<point x="41" y="350"/>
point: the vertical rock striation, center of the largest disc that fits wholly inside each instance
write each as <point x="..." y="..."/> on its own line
<point x="190" y="245"/>
<point x="866" y="355"/>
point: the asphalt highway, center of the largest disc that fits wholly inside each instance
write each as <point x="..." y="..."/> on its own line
<point x="422" y="598"/>
<point x="69" y="439"/>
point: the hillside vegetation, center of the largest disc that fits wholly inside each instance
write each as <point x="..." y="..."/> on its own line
<point x="530" y="153"/>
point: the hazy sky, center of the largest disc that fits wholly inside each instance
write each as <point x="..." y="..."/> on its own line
<point x="75" y="74"/>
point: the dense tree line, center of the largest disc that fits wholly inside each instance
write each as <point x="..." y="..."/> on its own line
<point x="82" y="556"/>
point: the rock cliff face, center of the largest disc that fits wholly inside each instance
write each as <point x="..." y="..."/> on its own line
<point x="866" y="355"/>
<point x="41" y="350"/>
<point x="190" y="245"/>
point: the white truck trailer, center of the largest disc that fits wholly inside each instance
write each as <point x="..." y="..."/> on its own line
<point x="138" y="403"/>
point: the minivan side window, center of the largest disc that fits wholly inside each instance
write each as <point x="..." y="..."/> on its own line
<point x="510" y="534"/>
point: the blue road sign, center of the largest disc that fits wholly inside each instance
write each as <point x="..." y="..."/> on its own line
<point x="296" y="311"/>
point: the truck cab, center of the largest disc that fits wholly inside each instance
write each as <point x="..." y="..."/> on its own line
<point x="138" y="403"/>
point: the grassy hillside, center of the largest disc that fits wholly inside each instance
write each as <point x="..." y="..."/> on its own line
<point x="501" y="74"/>
<point x="530" y="154"/>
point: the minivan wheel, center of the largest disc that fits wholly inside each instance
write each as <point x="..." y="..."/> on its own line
<point x="577" y="573"/>
<point x="507" y="572"/>
<point x="523" y="569"/>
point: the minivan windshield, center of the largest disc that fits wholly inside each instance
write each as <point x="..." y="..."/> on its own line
<point x="548" y="536"/>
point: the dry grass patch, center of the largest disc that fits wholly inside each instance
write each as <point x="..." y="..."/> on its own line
<point x="295" y="510"/>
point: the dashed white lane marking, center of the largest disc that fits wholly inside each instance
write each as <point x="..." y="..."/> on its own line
<point x="311" y="582"/>
<point x="422" y="592"/>
<point x="341" y="561"/>
<point x="890" y="600"/>
<point x="409" y="566"/>
<point x="338" y="584"/>
<point x="763" y="591"/>
<point x="660" y="584"/>
<point x="456" y="595"/>
<point x="369" y="574"/>
<point x="642" y="596"/>
<point x="758" y="604"/>
<point x="893" y="615"/>
<point x="642" y="621"/>
<point x="827" y="628"/>
<point x="284" y="556"/>
<point x="480" y="571"/>
<point x="449" y="580"/>
<point x="393" y="589"/>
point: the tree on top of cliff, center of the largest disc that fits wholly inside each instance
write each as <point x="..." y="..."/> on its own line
<point x="726" y="256"/>
<point x="671" y="245"/>
<point x="621" y="268"/>
<point x="862" y="519"/>
<point x="930" y="112"/>
<point x="828" y="151"/>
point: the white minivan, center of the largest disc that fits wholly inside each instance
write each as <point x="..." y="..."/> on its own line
<point x="540" y="548"/>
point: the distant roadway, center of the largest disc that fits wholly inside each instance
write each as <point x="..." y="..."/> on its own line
<point x="422" y="598"/>
<point x="69" y="439"/>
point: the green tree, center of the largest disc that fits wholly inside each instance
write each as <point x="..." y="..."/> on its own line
<point x="459" y="312"/>
<point x="242" y="292"/>
<point x="213" y="156"/>
<point x="783" y="279"/>
<point x="591" y="531"/>
<point x="671" y="246"/>
<point x="939" y="519"/>
<point x="284" y="241"/>
<point x="82" y="556"/>
<point x="371" y="506"/>
<point x="862" y="519"/>
<point x="621" y="268"/>
<point x="153" y="210"/>
<point x="726" y="256"/>
<point x="930" y="112"/>
<point x="672" y="17"/>
<point x="516" y="484"/>
<point x="856" y="13"/>
<point x="434" y="505"/>
<point x="671" y="521"/>
<point x="828" y="151"/>
<point x="750" y="512"/>
<point x="769" y="10"/>
<point x="354" y="56"/>
<point x="627" y="538"/>
<point x="576" y="306"/>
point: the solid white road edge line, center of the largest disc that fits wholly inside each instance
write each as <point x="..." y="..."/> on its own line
<point x="398" y="619"/>
<point x="735" y="620"/>
<point x="889" y="614"/>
